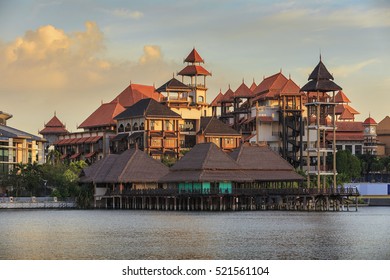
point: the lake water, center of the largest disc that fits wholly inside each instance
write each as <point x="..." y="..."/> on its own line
<point x="125" y="234"/>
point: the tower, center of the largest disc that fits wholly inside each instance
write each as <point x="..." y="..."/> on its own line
<point x="196" y="73"/>
<point x="319" y="109"/>
<point x="369" y="132"/>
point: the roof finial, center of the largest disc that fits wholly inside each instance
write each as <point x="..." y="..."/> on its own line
<point x="173" y="75"/>
<point x="280" y="69"/>
<point x="229" y="86"/>
<point x="55" y="113"/>
<point x="320" y="55"/>
<point x="130" y="82"/>
<point x="243" y="80"/>
<point x="289" y="76"/>
<point x="253" y="79"/>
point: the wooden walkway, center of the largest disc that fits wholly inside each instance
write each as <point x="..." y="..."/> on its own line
<point x="292" y="199"/>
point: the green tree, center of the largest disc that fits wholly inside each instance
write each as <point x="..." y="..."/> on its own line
<point x="348" y="166"/>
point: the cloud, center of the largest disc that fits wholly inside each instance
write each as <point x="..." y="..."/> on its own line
<point x="347" y="70"/>
<point x="49" y="69"/>
<point x="325" y="18"/>
<point x="151" y="54"/>
<point x="50" y="59"/>
<point x="125" y="13"/>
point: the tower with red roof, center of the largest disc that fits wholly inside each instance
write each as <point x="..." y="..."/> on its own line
<point x="370" y="141"/>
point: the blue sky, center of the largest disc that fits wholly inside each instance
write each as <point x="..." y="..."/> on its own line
<point x="69" y="56"/>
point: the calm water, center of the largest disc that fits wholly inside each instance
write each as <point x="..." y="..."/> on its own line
<point x="105" y="234"/>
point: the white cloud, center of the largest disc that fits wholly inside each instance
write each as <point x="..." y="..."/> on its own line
<point x="347" y="70"/>
<point x="125" y="13"/>
<point x="151" y="54"/>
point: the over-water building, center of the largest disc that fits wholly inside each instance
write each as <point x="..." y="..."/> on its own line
<point x="17" y="146"/>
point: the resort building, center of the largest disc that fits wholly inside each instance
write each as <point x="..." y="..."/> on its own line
<point x="52" y="131"/>
<point x="150" y="126"/>
<point x="117" y="176"/>
<point x="17" y="146"/>
<point x="188" y="98"/>
<point x="99" y="128"/>
<point x="383" y="136"/>
<point x="215" y="131"/>
<point x="270" y="112"/>
<point x="205" y="178"/>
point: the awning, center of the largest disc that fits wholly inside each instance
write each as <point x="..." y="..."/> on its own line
<point x="93" y="139"/>
<point x="90" y="155"/>
<point x="64" y="156"/>
<point x="76" y="155"/>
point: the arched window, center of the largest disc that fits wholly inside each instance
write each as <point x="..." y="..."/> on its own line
<point x="135" y="126"/>
<point x="121" y="128"/>
<point x="128" y="127"/>
<point x="142" y="126"/>
<point x="200" y="99"/>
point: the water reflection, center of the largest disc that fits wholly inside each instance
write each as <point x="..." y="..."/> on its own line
<point x="99" y="234"/>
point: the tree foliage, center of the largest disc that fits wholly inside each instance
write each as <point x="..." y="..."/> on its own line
<point x="348" y="166"/>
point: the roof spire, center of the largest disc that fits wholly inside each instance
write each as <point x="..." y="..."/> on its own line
<point x="320" y="55"/>
<point x="55" y="113"/>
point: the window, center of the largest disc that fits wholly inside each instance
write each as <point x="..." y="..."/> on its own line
<point x="135" y="126"/>
<point x="121" y="128"/>
<point x="348" y="148"/>
<point x="152" y="125"/>
<point x="168" y="125"/>
<point x="358" y="149"/>
<point x="200" y="99"/>
<point x="128" y="127"/>
<point x="142" y="126"/>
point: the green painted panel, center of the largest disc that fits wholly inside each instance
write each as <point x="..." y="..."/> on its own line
<point x="225" y="187"/>
<point x="188" y="187"/>
<point x="197" y="187"/>
<point x="206" y="187"/>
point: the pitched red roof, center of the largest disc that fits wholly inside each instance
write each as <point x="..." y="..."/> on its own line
<point x="345" y="136"/>
<point x="54" y="126"/>
<point x="340" y="97"/>
<point x="228" y="96"/>
<point x="253" y="86"/>
<point x="243" y="91"/>
<point x="217" y="100"/>
<point x="104" y="115"/>
<point x="384" y="126"/>
<point x="369" y="120"/>
<point x="135" y="92"/>
<point x="339" y="109"/>
<point x="194" y="70"/>
<point x="346" y="115"/>
<point x="290" y="88"/>
<point x="349" y="127"/>
<point x="194" y="57"/>
<point x="274" y="82"/>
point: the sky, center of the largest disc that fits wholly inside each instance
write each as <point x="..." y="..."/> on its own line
<point x="67" y="57"/>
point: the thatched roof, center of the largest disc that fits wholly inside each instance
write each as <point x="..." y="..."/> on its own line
<point x="132" y="165"/>
<point x="205" y="163"/>
<point x="263" y="164"/>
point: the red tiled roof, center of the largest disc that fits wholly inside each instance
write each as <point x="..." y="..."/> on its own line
<point x="290" y="88"/>
<point x="346" y="115"/>
<point x="243" y="91"/>
<point x="217" y="100"/>
<point x="253" y="86"/>
<point x="54" y="126"/>
<point x="369" y="120"/>
<point x="135" y="92"/>
<point x="349" y="127"/>
<point x="276" y="81"/>
<point x="103" y="116"/>
<point x="345" y="136"/>
<point x="194" y="70"/>
<point x="341" y="97"/>
<point x="194" y="57"/>
<point x="228" y="96"/>
<point x="339" y="109"/>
